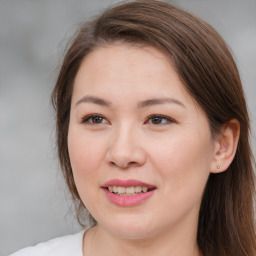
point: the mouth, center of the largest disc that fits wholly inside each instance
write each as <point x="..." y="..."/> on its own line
<point x="128" y="191"/>
<point x="128" y="187"/>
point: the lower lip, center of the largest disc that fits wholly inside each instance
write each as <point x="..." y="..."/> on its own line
<point x="128" y="200"/>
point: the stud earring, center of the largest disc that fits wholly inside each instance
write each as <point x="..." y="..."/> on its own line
<point x="218" y="167"/>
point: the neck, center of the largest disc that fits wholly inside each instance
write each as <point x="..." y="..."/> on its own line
<point x="99" y="242"/>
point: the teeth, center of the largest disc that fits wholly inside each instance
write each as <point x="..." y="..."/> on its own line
<point x="121" y="190"/>
<point x="127" y="191"/>
<point x="138" y="189"/>
<point x="144" y="189"/>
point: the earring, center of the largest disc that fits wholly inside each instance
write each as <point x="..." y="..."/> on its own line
<point x="218" y="167"/>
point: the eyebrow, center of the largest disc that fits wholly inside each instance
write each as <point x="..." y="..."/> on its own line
<point x="95" y="100"/>
<point x="158" y="101"/>
<point x="141" y="104"/>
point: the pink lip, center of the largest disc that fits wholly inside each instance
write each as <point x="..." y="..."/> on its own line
<point x="128" y="200"/>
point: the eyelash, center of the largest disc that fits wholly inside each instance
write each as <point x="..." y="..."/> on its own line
<point x="89" y="119"/>
<point x="161" y="117"/>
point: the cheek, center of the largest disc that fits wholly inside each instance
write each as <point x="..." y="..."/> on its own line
<point x="84" y="152"/>
<point x="85" y="157"/>
<point x="184" y="164"/>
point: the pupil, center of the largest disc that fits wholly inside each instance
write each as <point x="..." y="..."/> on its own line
<point x="156" y="120"/>
<point x="97" y="119"/>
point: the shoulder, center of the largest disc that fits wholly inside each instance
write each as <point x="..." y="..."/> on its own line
<point x="61" y="246"/>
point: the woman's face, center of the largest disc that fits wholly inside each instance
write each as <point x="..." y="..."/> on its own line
<point x="136" y="131"/>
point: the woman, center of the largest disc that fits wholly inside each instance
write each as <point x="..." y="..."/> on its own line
<point x="152" y="134"/>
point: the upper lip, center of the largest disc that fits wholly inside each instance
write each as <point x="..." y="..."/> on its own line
<point x="127" y="183"/>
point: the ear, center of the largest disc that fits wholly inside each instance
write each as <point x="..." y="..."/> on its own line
<point x="225" y="146"/>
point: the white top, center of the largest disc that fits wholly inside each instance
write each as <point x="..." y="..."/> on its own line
<point x="61" y="246"/>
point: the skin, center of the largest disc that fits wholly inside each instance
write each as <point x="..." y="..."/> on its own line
<point x="176" y="154"/>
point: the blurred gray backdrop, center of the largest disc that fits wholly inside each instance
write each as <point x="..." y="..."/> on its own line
<point x="34" y="204"/>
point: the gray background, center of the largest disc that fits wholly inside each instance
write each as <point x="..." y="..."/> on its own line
<point x="34" y="204"/>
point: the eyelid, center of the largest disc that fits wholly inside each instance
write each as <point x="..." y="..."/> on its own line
<point x="169" y="119"/>
<point x="88" y="117"/>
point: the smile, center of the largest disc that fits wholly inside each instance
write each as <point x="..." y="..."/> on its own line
<point x="129" y="191"/>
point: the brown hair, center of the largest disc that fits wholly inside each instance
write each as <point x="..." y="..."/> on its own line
<point x="209" y="73"/>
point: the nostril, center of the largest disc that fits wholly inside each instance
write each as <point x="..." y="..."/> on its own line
<point x="123" y="165"/>
<point x="112" y="163"/>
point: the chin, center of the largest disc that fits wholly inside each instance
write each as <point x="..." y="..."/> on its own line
<point x="130" y="226"/>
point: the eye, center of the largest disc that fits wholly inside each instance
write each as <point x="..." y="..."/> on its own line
<point x="159" y="120"/>
<point x="95" y="119"/>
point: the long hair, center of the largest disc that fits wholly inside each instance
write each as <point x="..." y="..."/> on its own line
<point x="208" y="72"/>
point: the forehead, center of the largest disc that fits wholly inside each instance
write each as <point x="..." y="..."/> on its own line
<point x="128" y="68"/>
<point x="120" y="56"/>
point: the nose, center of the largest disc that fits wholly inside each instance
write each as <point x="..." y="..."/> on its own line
<point x="125" y="149"/>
